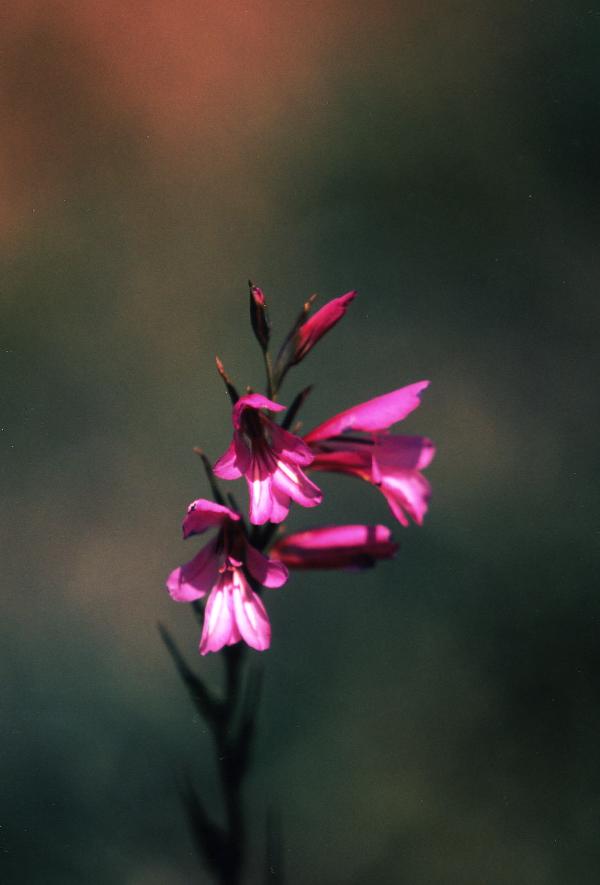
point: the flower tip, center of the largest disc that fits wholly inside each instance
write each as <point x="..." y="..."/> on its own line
<point x="233" y="394"/>
<point x="257" y="294"/>
<point x="172" y="581"/>
<point x="221" y="369"/>
<point x="419" y="388"/>
<point x="383" y="532"/>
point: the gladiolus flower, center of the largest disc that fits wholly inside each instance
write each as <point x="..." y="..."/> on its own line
<point x="270" y="458"/>
<point x="233" y="610"/>
<point x="356" y="442"/>
<point x="340" y="546"/>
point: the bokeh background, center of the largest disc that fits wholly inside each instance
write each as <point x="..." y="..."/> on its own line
<point x="435" y="720"/>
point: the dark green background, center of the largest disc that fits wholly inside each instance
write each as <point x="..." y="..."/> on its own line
<point x="435" y="721"/>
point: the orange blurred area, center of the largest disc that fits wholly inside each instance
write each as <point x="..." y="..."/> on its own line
<point x="163" y="82"/>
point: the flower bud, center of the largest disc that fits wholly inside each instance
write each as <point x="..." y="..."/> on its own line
<point x="259" y="316"/>
<point x="319" y="324"/>
<point x="310" y="329"/>
<point x="339" y="546"/>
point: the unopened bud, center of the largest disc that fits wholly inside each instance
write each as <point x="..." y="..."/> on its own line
<point x="319" y="324"/>
<point x="307" y="330"/>
<point x="259" y="316"/>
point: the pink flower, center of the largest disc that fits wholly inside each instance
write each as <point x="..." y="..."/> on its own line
<point x="270" y="458"/>
<point x="340" y="546"/>
<point x="318" y="324"/>
<point x="233" y="610"/>
<point x="392" y="463"/>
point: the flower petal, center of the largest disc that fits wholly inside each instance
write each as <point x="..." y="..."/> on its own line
<point x="289" y="479"/>
<point x="261" y="503"/>
<point x="218" y="619"/>
<point x="280" y="505"/>
<point x="376" y="414"/>
<point x="406" y="452"/>
<point x="197" y="577"/>
<point x="253" y="401"/>
<point x="346" y="461"/>
<point x="268" y="572"/>
<point x="202" y="514"/>
<point x="250" y="615"/>
<point x="234" y="462"/>
<point x="407" y="492"/>
<point x="346" y="546"/>
<point x="292" y="447"/>
<point x="339" y="536"/>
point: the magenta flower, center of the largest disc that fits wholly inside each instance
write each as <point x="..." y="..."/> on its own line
<point x="340" y="546"/>
<point x="233" y="610"/>
<point x="270" y="458"/>
<point x="356" y="442"/>
<point x="318" y="324"/>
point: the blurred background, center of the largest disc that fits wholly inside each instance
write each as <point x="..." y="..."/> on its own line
<point x="434" y="721"/>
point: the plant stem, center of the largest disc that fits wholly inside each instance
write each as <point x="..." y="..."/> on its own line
<point x="271" y="388"/>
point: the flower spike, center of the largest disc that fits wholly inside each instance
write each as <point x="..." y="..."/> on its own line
<point x="230" y="569"/>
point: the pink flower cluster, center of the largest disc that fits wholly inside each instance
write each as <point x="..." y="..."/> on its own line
<point x="230" y="570"/>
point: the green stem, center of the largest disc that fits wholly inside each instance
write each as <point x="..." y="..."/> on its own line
<point x="271" y="388"/>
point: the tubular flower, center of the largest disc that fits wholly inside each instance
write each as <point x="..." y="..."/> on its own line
<point x="319" y="324"/>
<point x="340" y="546"/>
<point x="356" y="442"/>
<point x="271" y="460"/>
<point x="233" y="610"/>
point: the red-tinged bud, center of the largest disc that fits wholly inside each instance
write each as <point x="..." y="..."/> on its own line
<point x="313" y="329"/>
<point x="340" y="546"/>
<point x="259" y="316"/>
<point x="308" y="330"/>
